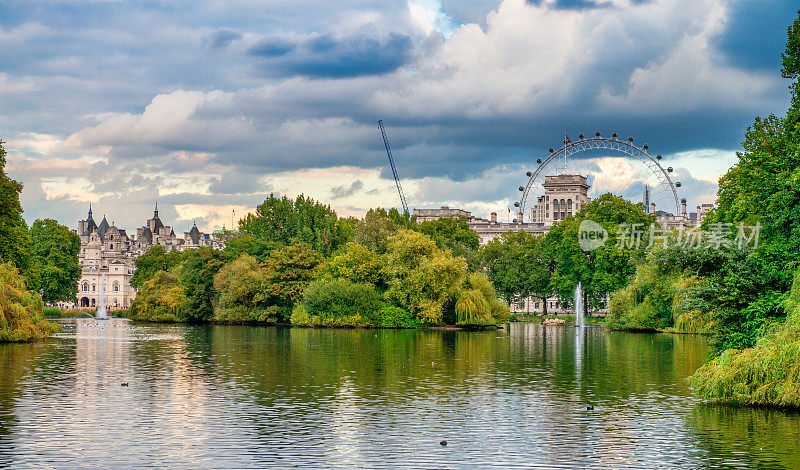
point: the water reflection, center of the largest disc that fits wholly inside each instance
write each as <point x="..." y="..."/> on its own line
<point x="237" y="396"/>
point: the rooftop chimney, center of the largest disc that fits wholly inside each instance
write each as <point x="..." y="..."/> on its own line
<point x="494" y="217"/>
<point x="652" y="207"/>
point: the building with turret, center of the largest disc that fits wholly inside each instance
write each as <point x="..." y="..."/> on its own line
<point x="110" y="251"/>
<point x="105" y="250"/>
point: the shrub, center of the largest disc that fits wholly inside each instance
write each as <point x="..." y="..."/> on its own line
<point x="767" y="374"/>
<point x="20" y="309"/>
<point x="339" y="302"/>
<point x="390" y="316"/>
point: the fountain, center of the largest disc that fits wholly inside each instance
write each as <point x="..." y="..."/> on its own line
<point x="578" y="299"/>
<point x="101" y="309"/>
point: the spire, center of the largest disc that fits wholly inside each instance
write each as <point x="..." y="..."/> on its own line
<point x="90" y="210"/>
<point x="155" y="213"/>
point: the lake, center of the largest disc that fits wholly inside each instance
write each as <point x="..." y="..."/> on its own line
<point x="200" y="396"/>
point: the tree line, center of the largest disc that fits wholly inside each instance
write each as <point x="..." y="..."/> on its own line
<point x="295" y="261"/>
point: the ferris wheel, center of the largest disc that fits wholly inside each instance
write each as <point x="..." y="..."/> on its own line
<point x="610" y="165"/>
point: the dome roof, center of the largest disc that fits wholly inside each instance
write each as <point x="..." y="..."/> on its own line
<point x="194" y="233"/>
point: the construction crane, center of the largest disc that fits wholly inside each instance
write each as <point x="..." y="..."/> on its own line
<point x="394" y="170"/>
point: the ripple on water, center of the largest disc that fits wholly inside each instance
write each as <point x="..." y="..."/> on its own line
<point x="231" y="397"/>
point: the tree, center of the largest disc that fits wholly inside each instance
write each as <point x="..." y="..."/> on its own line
<point x="55" y="253"/>
<point x="422" y="278"/>
<point x="197" y="272"/>
<point x="15" y="242"/>
<point x="239" y="283"/>
<point x="284" y="221"/>
<point x="247" y="244"/>
<point x="288" y="272"/>
<point x="338" y="302"/>
<point x="605" y="269"/>
<point x="162" y="298"/>
<point x="356" y="264"/>
<point x="378" y="225"/>
<point x="20" y="309"/>
<point x="154" y="260"/>
<point x="454" y="234"/>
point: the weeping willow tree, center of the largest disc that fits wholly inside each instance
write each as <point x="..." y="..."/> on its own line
<point x="477" y="303"/>
<point x="21" y="316"/>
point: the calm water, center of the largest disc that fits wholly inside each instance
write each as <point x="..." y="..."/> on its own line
<point x="229" y="397"/>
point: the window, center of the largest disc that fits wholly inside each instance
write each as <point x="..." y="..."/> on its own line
<point x="93" y="286"/>
<point x="569" y="204"/>
<point x="116" y="286"/>
<point x="86" y="287"/>
<point x="111" y="246"/>
<point x="555" y="215"/>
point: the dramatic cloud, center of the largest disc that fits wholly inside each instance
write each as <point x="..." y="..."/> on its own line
<point x="329" y="56"/>
<point x="219" y="104"/>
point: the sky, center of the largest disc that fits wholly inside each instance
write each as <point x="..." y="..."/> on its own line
<point x="208" y="106"/>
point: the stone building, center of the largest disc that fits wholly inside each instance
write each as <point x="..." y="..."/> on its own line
<point x="564" y="195"/>
<point x="110" y="251"/>
<point x="105" y="250"/>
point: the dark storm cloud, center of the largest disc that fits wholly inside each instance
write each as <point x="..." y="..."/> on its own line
<point x="326" y="55"/>
<point x="221" y="38"/>
<point x="271" y="47"/>
<point x="755" y="33"/>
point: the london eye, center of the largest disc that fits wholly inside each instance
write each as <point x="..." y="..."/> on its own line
<point x="610" y="165"/>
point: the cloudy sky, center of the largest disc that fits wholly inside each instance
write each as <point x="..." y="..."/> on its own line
<point x="208" y="105"/>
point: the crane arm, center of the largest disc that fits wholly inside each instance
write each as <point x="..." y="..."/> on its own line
<point x="394" y="169"/>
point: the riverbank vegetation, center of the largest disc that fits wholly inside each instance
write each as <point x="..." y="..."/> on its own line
<point x="297" y="262"/>
<point x="36" y="263"/>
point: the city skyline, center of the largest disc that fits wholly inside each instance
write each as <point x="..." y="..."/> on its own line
<point x="211" y="111"/>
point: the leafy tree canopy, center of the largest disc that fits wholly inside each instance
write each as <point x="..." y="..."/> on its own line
<point x="283" y="221"/>
<point x="152" y="261"/>
<point x="55" y="253"/>
<point x="15" y="242"/>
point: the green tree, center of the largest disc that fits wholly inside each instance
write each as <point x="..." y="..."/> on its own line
<point x="283" y="221"/>
<point x="15" y="242"/>
<point x="162" y="298"/>
<point x="378" y="225"/>
<point x="338" y="302"/>
<point x="356" y="264"/>
<point x="423" y="279"/>
<point x="55" y="253"/>
<point x="287" y="274"/>
<point x="197" y="272"/>
<point x="239" y="283"/>
<point x="246" y="244"/>
<point x="153" y="261"/>
<point x="454" y="234"/>
<point x="605" y="269"/>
